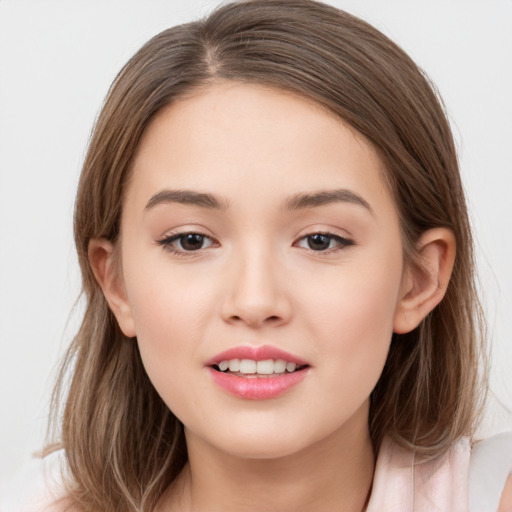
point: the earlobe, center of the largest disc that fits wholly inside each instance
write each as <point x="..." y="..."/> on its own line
<point x="424" y="285"/>
<point x="101" y="253"/>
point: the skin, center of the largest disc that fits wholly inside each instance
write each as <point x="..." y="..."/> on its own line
<point x="255" y="280"/>
<point x="506" y="498"/>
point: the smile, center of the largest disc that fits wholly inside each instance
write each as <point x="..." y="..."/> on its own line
<point x="257" y="373"/>
<point x="247" y="367"/>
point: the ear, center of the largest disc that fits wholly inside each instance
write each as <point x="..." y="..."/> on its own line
<point x="424" y="285"/>
<point x="109" y="276"/>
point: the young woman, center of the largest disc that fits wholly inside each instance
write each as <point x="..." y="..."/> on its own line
<point x="277" y="260"/>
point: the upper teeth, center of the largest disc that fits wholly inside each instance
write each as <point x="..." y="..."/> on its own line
<point x="266" y="367"/>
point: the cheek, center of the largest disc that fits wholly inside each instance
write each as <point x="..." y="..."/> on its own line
<point x="353" y="320"/>
<point x="167" y="302"/>
<point x="171" y="311"/>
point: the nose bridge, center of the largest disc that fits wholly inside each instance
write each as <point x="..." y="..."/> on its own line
<point x="256" y="293"/>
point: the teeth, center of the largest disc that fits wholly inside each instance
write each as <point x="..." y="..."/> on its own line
<point x="234" y="365"/>
<point x="290" y="367"/>
<point x="247" y="366"/>
<point x="266" y="367"/>
<point x="279" y="366"/>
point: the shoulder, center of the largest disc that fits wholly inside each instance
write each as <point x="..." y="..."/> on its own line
<point x="490" y="482"/>
<point x="470" y="477"/>
<point x="38" y="487"/>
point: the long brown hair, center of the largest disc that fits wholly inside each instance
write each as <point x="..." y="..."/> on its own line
<point x="123" y="445"/>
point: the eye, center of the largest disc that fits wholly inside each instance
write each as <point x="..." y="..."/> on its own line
<point x="186" y="242"/>
<point x="324" y="242"/>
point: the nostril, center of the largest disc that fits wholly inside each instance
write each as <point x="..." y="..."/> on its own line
<point x="254" y="321"/>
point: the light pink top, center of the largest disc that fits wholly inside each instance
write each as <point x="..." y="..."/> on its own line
<point x="467" y="479"/>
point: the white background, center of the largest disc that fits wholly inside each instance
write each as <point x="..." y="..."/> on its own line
<point x="57" y="59"/>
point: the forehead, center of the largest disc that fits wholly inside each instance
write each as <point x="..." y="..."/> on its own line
<point x="252" y="142"/>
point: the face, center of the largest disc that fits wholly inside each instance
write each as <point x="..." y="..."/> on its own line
<point x="257" y="227"/>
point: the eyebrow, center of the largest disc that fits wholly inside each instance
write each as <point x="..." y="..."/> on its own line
<point x="325" y="197"/>
<point x="191" y="197"/>
<point x="295" y="202"/>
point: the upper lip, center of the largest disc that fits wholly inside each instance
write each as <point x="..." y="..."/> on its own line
<point x="260" y="353"/>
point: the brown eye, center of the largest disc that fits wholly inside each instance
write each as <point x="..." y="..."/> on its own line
<point x="324" y="242"/>
<point x="319" y="242"/>
<point x="183" y="243"/>
<point x="191" y="241"/>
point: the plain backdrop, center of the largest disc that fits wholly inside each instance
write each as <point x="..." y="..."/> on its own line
<point x="57" y="60"/>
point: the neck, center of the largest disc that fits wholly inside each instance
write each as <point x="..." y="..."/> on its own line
<point x="333" y="474"/>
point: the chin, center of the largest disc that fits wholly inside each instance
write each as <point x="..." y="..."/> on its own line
<point x="263" y="440"/>
<point x="263" y="448"/>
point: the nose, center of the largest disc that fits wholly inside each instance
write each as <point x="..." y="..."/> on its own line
<point x="256" y="294"/>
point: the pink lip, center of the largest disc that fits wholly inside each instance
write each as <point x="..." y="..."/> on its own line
<point x="252" y="387"/>
<point x="257" y="388"/>
<point x="260" y="353"/>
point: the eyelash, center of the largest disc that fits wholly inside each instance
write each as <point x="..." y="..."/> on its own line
<point x="166" y="243"/>
<point x="341" y="242"/>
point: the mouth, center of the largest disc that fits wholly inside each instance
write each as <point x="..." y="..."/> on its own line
<point x="258" y="369"/>
<point x="257" y="373"/>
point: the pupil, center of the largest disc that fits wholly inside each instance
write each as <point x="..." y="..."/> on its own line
<point x="318" y="242"/>
<point x="192" y="242"/>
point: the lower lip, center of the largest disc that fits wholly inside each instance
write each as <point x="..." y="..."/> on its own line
<point x="257" y="388"/>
